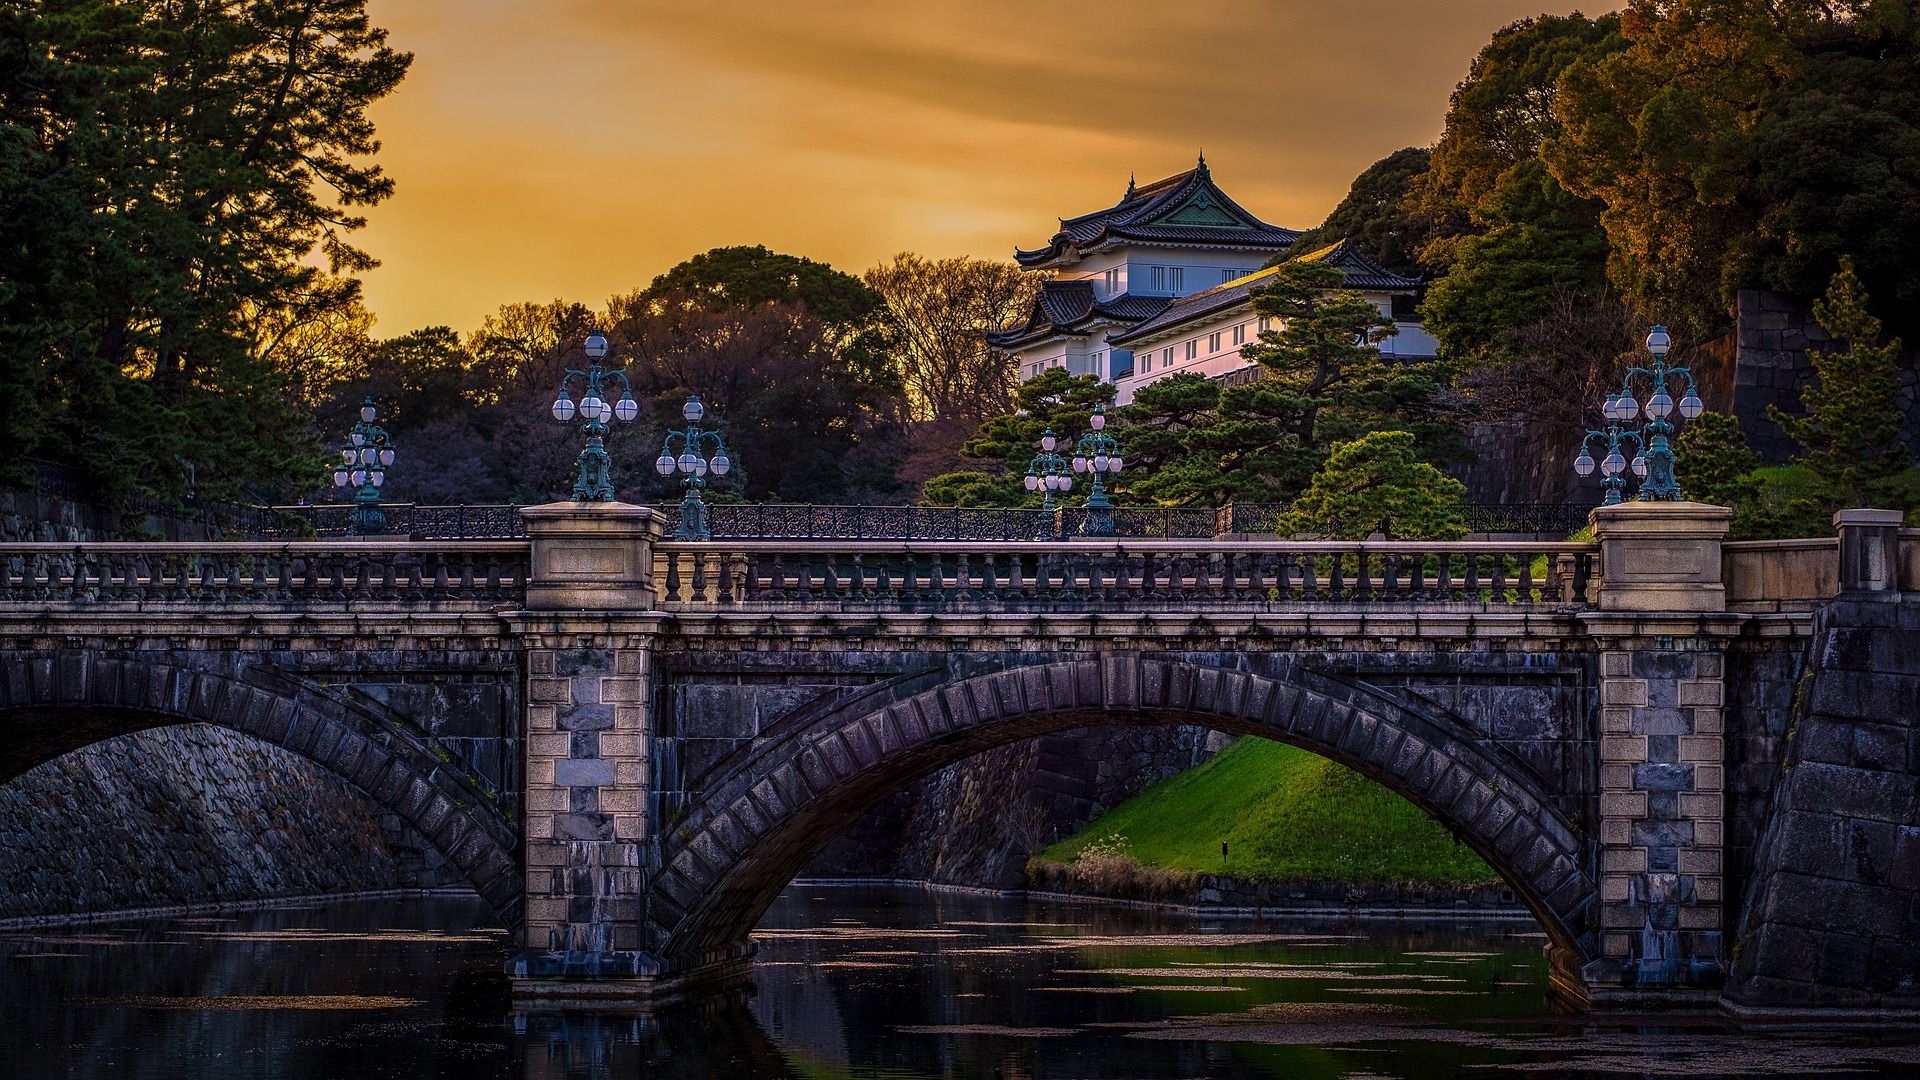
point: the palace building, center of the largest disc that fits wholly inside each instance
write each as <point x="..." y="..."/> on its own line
<point x="1160" y="283"/>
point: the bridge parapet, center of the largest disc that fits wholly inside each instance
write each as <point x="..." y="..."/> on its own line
<point x="309" y="575"/>
<point x="1123" y="575"/>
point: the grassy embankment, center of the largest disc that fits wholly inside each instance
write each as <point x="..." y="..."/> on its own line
<point x="1286" y="815"/>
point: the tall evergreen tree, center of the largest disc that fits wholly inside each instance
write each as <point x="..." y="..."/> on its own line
<point x="1851" y="431"/>
<point x="167" y="172"/>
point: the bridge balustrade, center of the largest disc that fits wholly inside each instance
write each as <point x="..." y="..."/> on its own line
<point x="1123" y="575"/>
<point x="331" y="571"/>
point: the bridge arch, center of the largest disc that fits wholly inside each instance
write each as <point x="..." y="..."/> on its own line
<point x="761" y="821"/>
<point x="54" y="703"/>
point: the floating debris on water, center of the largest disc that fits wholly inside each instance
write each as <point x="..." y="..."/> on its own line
<point x="300" y="1002"/>
<point x="985" y="1029"/>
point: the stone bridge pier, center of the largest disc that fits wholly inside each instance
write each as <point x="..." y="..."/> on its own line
<point x="680" y="768"/>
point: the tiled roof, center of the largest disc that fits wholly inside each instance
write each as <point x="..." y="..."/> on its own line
<point x="1069" y="307"/>
<point x="1186" y="208"/>
<point x="1361" y="272"/>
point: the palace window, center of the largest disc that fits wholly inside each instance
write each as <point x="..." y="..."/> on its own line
<point x="1178" y="276"/>
<point x="1228" y="275"/>
<point x="1166" y="356"/>
<point x="1239" y="333"/>
<point x="1193" y="348"/>
<point x="1213" y="342"/>
<point x="1266" y="323"/>
<point x="1159" y="277"/>
<point x="1113" y="281"/>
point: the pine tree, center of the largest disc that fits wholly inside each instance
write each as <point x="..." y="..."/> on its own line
<point x="1378" y="484"/>
<point x="1711" y="459"/>
<point x="1852" y="425"/>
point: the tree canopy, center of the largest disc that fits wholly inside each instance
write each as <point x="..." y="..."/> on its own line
<point x="1378" y="214"/>
<point x="1378" y="484"/>
<point x="168" y="175"/>
<point x="1741" y="146"/>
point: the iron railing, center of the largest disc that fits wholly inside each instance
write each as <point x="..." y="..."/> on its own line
<point x="1120" y="575"/>
<point x="263" y="572"/>
<point x="478" y="521"/>
<point x="789" y="521"/>
<point x="801" y="521"/>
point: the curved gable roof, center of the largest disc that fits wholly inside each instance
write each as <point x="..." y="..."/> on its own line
<point x="1186" y="208"/>
<point x="1069" y="307"/>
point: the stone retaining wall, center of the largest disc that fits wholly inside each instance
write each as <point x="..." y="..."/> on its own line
<point x="1833" y="918"/>
<point x="194" y="815"/>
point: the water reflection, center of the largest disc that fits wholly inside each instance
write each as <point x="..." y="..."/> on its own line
<point x="857" y="983"/>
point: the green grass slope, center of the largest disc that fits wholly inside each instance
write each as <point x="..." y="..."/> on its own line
<point x="1286" y="815"/>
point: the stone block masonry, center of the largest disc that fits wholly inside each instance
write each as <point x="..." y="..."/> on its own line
<point x="1833" y="915"/>
<point x="201" y="815"/>
<point x="1661" y="812"/>
<point x="586" y="822"/>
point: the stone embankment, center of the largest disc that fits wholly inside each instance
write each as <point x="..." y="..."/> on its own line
<point x="1833" y="916"/>
<point x="195" y="815"/>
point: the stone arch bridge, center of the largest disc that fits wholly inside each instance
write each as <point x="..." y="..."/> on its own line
<point x="629" y="746"/>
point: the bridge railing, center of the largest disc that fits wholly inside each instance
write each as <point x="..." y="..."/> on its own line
<point x="1123" y="574"/>
<point x="319" y="571"/>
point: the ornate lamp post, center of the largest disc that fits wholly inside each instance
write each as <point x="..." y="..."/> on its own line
<point x="595" y="482"/>
<point x="693" y="511"/>
<point x="1048" y="471"/>
<point x="363" y="467"/>
<point x="1099" y="454"/>
<point x="1652" y="461"/>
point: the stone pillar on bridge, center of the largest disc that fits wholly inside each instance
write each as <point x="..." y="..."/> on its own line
<point x="587" y="636"/>
<point x="1662" y="626"/>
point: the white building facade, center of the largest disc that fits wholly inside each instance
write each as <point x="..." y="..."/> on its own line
<point x="1205" y="333"/>
<point x="1159" y="283"/>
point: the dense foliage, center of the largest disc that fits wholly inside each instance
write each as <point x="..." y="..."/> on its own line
<point x="166" y="172"/>
<point x="1852" y="455"/>
<point x="1744" y="145"/>
<point x="1378" y="484"/>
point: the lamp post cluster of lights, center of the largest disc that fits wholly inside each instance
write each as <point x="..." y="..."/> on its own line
<point x="1098" y="455"/>
<point x="1048" y="471"/>
<point x="363" y="467"/>
<point x="690" y="464"/>
<point x="1652" y="462"/>
<point x="595" y="481"/>
<point x="1095" y="454"/>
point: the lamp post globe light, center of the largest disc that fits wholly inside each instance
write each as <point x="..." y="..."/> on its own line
<point x="1652" y="462"/>
<point x="595" y="480"/>
<point x="690" y="464"/>
<point x="363" y="466"/>
<point x="1099" y="455"/>
<point x="1048" y="471"/>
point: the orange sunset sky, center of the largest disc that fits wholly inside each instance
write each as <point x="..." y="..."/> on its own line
<point x="576" y="148"/>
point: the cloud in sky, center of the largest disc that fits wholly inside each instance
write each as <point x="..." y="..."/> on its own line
<point x="576" y="148"/>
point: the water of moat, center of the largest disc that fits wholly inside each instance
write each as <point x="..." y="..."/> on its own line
<point x="859" y="982"/>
